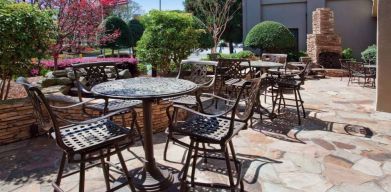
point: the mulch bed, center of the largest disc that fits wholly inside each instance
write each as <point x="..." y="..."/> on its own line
<point x="17" y="91"/>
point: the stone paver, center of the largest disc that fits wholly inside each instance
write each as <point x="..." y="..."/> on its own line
<point x="278" y="156"/>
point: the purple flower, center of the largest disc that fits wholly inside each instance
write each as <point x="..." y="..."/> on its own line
<point x="34" y="72"/>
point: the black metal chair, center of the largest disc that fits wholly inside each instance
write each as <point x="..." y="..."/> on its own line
<point x="203" y="73"/>
<point x="89" y="74"/>
<point x="358" y="71"/>
<point x="82" y="142"/>
<point x="288" y="82"/>
<point x="231" y="75"/>
<point x="344" y="65"/>
<point x="217" y="129"/>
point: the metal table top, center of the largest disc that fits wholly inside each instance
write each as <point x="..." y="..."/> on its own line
<point x="144" y="88"/>
<point x="263" y="64"/>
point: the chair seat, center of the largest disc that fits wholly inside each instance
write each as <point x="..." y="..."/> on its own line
<point x="88" y="137"/>
<point x="235" y="82"/>
<point x="363" y="75"/>
<point x="207" y="129"/>
<point x="189" y="100"/>
<point x="288" y="83"/>
<point x="114" y="104"/>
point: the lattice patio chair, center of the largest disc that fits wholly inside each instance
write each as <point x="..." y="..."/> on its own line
<point x="344" y="65"/>
<point x="292" y="82"/>
<point x="84" y="141"/>
<point x="217" y="129"/>
<point x="358" y="71"/>
<point x="90" y="74"/>
<point x="232" y="75"/>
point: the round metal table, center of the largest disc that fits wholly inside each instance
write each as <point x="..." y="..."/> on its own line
<point x="149" y="90"/>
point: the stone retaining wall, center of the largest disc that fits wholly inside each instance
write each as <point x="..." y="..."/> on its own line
<point x="17" y="119"/>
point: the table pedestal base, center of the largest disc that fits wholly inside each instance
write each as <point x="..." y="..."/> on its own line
<point x="157" y="180"/>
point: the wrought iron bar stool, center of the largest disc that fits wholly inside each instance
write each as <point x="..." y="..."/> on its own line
<point x="285" y="82"/>
<point x="89" y="74"/>
<point x="216" y="129"/>
<point x="203" y="73"/>
<point x="82" y="141"/>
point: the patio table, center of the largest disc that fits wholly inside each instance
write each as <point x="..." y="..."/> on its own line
<point x="263" y="66"/>
<point x="149" y="90"/>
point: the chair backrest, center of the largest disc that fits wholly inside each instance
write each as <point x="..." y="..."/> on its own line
<point x="94" y="73"/>
<point x="356" y="67"/>
<point x="344" y="63"/>
<point x="202" y="73"/>
<point x="232" y="69"/>
<point x="255" y="87"/>
<point x="42" y="111"/>
<point x="306" y="60"/>
<point x="273" y="57"/>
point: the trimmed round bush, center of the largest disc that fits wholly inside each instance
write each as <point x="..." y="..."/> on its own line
<point x="136" y="31"/>
<point x="270" y="36"/>
<point x="369" y="54"/>
<point x="110" y="25"/>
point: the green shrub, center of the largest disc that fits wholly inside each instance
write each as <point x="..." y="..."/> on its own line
<point x="26" y="32"/>
<point x="169" y="36"/>
<point x="142" y="69"/>
<point x="205" y="40"/>
<point x="112" y="24"/>
<point x="239" y="55"/>
<point x="369" y="54"/>
<point x="136" y="30"/>
<point x="347" y="53"/>
<point x="270" y="36"/>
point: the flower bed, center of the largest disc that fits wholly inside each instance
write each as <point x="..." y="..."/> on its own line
<point x="64" y="63"/>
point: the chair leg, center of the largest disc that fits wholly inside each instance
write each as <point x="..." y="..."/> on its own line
<point x="124" y="168"/>
<point x="279" y="100"/>
<point x="297" y="107"/>
<point x="193" y="169"/>
<point x="231" y="146"/>
<point x="61" y="169"/>
<point x="302" y="103"/>
<point x="105" y="172"/>
<point x="186" y="167"/>
<point x="275" y="102"/>
<point x="166" y="147"/>
<point x="205" y="154"/>
<point x="229" y="170"/>
<point x="82" y="174"/>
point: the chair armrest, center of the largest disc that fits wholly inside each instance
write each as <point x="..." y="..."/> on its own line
<point x="93" y="120"/>
<point x="202" y="114"/>
<point x="215" y="96"/>
<point x="71" y="106"/>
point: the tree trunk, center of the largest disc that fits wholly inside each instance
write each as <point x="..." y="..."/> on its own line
<point x="55" y="59"/>
<point x="231" y="47"/>
<point x="112" y="52"/>
<point x="213" y="50"/>
<point x="154" y="71"/>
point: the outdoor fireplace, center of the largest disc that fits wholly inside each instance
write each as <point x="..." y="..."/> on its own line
<point x="324" y="45"/>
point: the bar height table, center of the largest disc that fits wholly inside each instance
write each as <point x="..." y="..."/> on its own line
<point x="149" y="90"/>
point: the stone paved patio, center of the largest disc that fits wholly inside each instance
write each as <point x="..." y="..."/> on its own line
<point x="277" y="157"/>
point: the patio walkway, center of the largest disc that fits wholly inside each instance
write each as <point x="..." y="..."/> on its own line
<point x="277" y="157"/>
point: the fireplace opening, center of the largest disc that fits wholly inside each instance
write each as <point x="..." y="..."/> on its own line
<point x="329" y="60"/>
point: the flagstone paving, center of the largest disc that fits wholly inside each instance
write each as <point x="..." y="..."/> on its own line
<point x="277" y="156"/>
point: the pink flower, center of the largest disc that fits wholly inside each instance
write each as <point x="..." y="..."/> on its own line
<point x="34" y="72"/>
<point x="64" y="63"/>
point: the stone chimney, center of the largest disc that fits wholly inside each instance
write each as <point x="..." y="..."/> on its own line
<point x="324" y="45"/>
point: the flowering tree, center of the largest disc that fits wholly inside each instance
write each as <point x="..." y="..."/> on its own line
<point x="77" y="23"/>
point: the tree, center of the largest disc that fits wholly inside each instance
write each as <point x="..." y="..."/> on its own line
<point x="271" y="37"/>
<point x="234" y="29"/>
<point x="216" y="14"/>
<point x="77" y="23"/>
<point x="136" y="31"/>
<point x="26" y="33"/>
<point x="173" y="44"/>
<point x="112" y="24"/>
